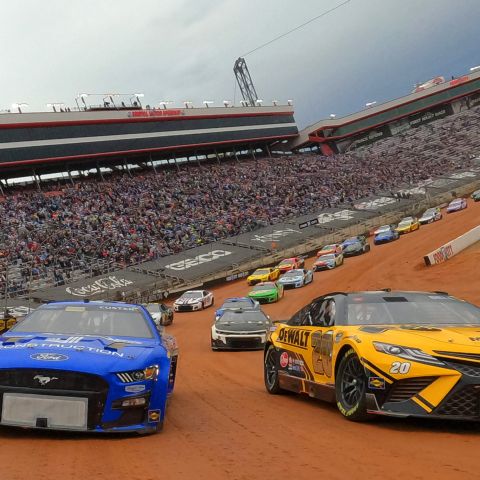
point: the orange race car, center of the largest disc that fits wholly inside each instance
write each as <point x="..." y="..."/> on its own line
<point x="335" y="248"/>
<point x="290" y="264"/>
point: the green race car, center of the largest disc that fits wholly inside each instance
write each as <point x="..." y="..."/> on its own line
<point x="267" y="292"/>
<point x="476" y="195"/>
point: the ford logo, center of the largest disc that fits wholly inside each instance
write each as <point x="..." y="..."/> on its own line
<point x="49" y="357"/>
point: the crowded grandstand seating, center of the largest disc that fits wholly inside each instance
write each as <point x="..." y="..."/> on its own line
<point x="70" y="231"/>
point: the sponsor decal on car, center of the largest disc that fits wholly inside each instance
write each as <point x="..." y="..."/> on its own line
<point x="154" y="415"/>
<point x="19" y="346"/>
<point x="284" y="359"/>
<point x="49" y="357"/>
<point x="135" y="388"/>
<point x="376" y="383"/>
<point x="294" y="336"/>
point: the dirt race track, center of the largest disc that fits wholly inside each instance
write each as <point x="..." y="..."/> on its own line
<point x="221" y="423"/>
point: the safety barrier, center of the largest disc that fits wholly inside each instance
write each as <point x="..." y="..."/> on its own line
<point x="452" y="248"/>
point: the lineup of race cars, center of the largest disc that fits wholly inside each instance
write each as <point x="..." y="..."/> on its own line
<point x="111" y="366"/>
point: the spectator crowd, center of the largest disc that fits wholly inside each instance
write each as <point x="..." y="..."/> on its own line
<point x="128" y="218"/>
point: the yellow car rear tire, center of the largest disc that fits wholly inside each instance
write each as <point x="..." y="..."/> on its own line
<point x="270" y="372"/>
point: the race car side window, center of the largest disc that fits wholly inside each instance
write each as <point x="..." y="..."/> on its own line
<point x="324" y="313"/>
<point x="299" y="318"/>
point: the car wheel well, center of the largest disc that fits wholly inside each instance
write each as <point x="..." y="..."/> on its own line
<point x="340" y="355"/>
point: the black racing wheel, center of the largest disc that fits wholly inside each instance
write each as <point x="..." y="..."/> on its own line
<point x="350" y="388"/>
<point x="271" y="371"/>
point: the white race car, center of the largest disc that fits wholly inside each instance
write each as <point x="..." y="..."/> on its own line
<point x="193" y="300"/>
<point x="431" y="215"/>
<point x="296" y="278"/>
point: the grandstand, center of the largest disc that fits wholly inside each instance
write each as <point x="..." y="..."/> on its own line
<point x="391" y="118"/>
<point x="214" y="210"/>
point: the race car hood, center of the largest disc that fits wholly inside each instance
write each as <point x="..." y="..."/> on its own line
<point x="86" y="354"/>
<point x="454" y="206"/>
<point x="427" y="337"/>
<point x="262" y="293"/>
<point x="324" y="262"/>
<point x="247" y="326"/>
<point x="188" y="301"/>
<point x="290" y="279"/>
<point x="258" y="276"/>
<point x="352" y="247"/>
<point x="384" y="235"/>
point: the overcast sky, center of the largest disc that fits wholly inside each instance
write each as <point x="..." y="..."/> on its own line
<point x="185" y="50"/>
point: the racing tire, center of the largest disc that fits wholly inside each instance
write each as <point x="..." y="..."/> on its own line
<point x="350" y="388"/>
<point x="270" y="372"/>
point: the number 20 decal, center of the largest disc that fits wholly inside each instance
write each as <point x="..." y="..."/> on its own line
<point x="399" y="367"/>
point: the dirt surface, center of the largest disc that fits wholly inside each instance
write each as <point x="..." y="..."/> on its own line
<point x="222" y="424"/>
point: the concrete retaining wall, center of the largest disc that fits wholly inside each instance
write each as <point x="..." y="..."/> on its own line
<point x="450" y="249"/>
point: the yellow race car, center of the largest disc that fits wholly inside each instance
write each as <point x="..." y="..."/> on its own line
<point x="386" y="353"/>
<point x="267" y="274"/>
<point x="408" y="224"/>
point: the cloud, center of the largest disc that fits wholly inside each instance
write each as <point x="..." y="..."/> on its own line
<point x="185" y="49"/>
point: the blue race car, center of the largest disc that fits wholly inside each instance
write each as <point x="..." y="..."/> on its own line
<point x="355" y="246"/>
<point x="385" y="235"/>
<point x="237" y="303"/>
<point x="87" y="366"/>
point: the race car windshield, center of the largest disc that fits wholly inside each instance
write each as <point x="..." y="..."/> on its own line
<point x="238" y="304"/>
<point x="419" y="310"/>
<point x="383" y="228"/>
<point x="153" y="307"/>
<point x="243" y="317"/>
<point x="329" y="247"/>
<point x="330" y="256"/>
<point x="117" y="321"/>
<point x="455" y="202"/>
<point x="192" y="295"/>
<point x="293" y="273"/>
<point x="430" y="211"/>
<point x="405" y="223"/>
<point x="261" y="272"/>
<point x="263" y="287"/>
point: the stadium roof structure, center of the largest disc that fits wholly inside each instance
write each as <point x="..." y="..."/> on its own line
<point x="366" y="126"/>
<point x="83" y="138"/>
